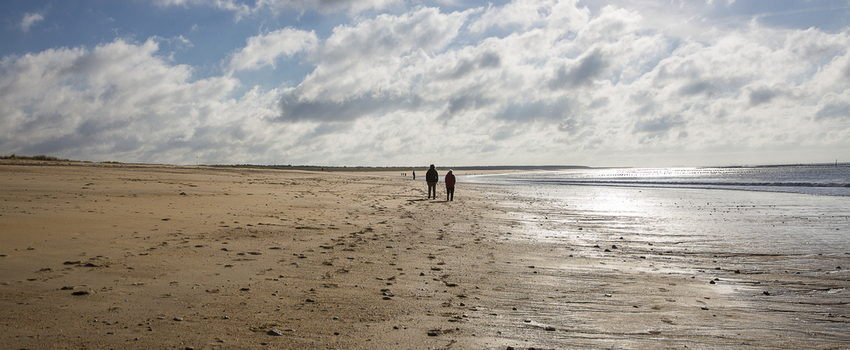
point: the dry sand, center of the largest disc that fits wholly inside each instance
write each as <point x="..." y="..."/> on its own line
<point x="118" y="256"/>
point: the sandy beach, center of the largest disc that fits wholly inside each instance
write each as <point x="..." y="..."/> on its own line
<point x="122" y="256"/>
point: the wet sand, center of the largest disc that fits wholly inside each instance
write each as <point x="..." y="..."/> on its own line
<point x="99" y="256"/>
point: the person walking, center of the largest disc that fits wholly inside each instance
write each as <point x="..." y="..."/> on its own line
<point x="450" y="186"/>
<point x="432" y="177"/>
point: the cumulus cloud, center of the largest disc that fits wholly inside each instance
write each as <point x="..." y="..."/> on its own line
<point x="379" y="59"/>
<point x="580" y="73"/>
<point x="546" y="110"/>
<point x="658" y="126"/>
<point x="325" y="6"/>
<point x="30" y="19"/>
<point x="241" y="9"/>
<point x="640" y="87"/>
<point x="834" y="106"/>
<point x="294" y="109"/>
<point x="528" y="82"/>
<point x="117" y="100"/>
<point x="525" y="15"/>
<point x="263" y="50"/>
<point x="229" y="5"/>
<point x="761" y="96"/>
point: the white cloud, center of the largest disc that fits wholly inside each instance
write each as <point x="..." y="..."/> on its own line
<point x="531" y="82"/>
<point x="263" y="50"/>
<point x="30" y="19"/>
<point x="375" y="60"/>
<point x="524" y="15"/>
<point x="834" y="106"/>
<point x="325" y="6"/>
<point x="242" y="10"/>
<point x="121" y="100"/>
<point x="545" y="83"/>
<point x="229" y="5"/>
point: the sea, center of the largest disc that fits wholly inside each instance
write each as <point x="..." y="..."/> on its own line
<point x="816" y="179"/>
<point x="772" y="240"/>
<point x="797" y="211"/>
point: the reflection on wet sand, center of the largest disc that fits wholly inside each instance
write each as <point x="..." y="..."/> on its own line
<point x="764" y="268"/>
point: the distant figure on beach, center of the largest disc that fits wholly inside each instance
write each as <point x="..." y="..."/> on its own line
<point x="431" y="177"/>
<point x="450" y="186"/>
<point x="414" y="175"/>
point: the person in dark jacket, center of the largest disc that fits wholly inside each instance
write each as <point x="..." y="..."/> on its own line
<point x="450" y="186"/>
<point x="431" y="177"/>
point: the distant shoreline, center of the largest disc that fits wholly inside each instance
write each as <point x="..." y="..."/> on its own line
<point x="49" y="160"/>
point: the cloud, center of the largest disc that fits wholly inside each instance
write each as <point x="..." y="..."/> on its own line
<point x="386" y="36"/>
<point x="546" y="110"/>
<point x="526" y="15"/>
<point x="227" y="5"/>
<point x="658" y="126"/>
<point x="263" y="50"/>
<point x="326" y="6"/>
<point x="461" y="104"/>
<point x="696" y="88"/>
<point x="30" y="19"/>
<point x="276" y="7"/>
<point x="117" y="100"/>
<point x="528" y="82"/>
<point x="761" y="96"/>
<point x="601" y="84"/>
<point x="466" y="66"/>
<point x="579" y="74"/>
<point x="293" y="109"/>
<point x="377" y="60"/>
<point x="834" y="106"/>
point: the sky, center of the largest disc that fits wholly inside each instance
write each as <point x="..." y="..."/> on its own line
<point x="410" y="83"/>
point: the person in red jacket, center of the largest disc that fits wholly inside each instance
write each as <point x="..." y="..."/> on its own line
<point x="450" y="186"/>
